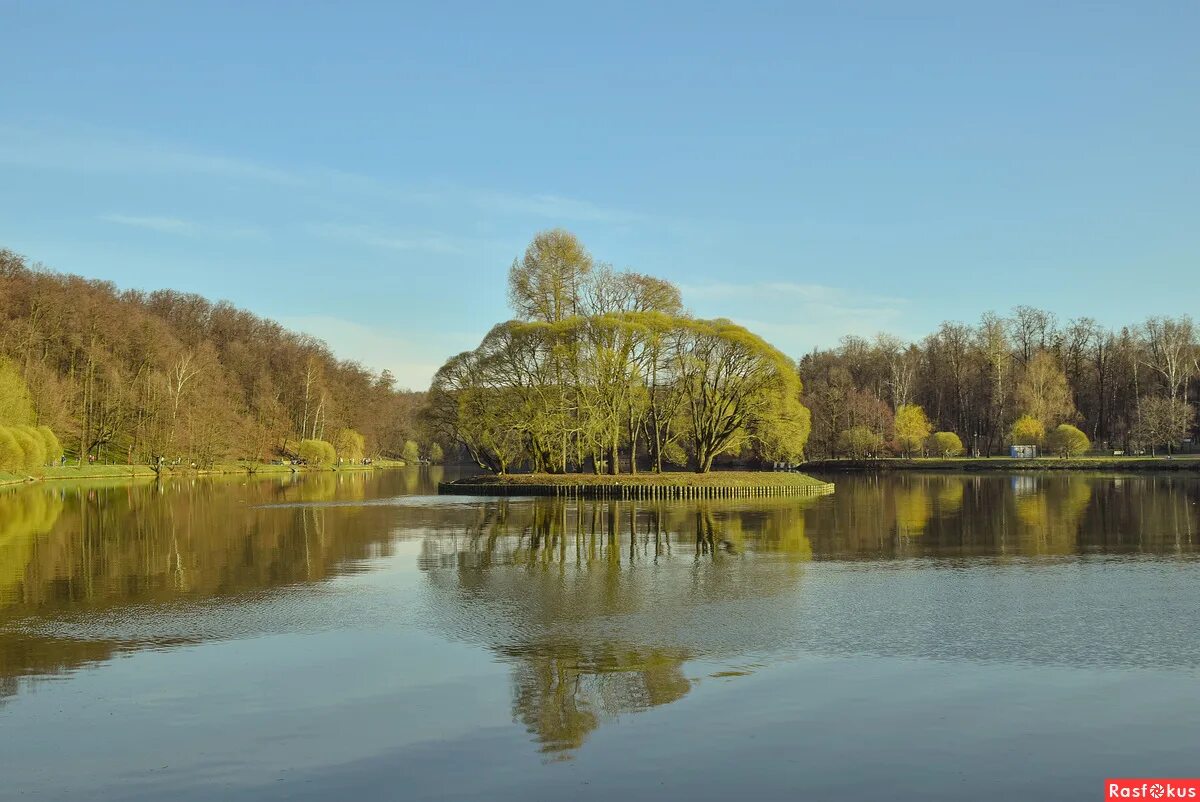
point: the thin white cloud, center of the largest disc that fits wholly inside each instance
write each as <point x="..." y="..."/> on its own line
<point x="181" y="227"/>
<point x="170" y="225"/>
<point x="365" y="235"/>
<point x="90" y="150"/>
<point x="552" y="207"/>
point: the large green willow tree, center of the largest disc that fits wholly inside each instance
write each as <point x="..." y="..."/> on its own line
<point x="604" y="368"/>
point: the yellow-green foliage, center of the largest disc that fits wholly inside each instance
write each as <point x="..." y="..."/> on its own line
<point x="33" y="446"/>
<point x="16" y="408"/>
<point x="436" y="455"/>
<point x="54" y="450"/>
<point x="1067" y="441"/>
<point x="350" y="445"/>
<point x="317" y="452"/>
<point x="1026" y="431"/>
<point x="945" y="444"/>
<point x="12" y="457"/>
<point x="23" y="516"/>
<point x="912" y="428"/>
<point x="860" y="441"/>
<point x="411" y="453"/>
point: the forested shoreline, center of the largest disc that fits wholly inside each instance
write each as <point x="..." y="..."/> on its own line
<point x="1007" y="380"/>
<point x="600" y="371"/>
<point x="605" y="371"/>
<point x="130" y="377"/>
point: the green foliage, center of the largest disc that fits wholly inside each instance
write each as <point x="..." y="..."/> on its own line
<point x="436" y="455"/>
<point x="1067" y="441"/>
<point x="51" y="444"/>
<point x="781" y="432"/>
<point x="411" y="453"/>
<point x="318" y="453"/>
<point x="12" y="457"/>
<point x="28" y="446"/>
<point x="546" y="284"/>
<point x="860" y="441"/>
<point x="350" y="445"/>
<point x="1027" y="431"/>
<point x="1043" y="391"/>
<point x="912" y="428"/>
<point x="945" y="444"/>
<point x="16" y="407"/>
<point x="33" y="446"/>
<point x="602" y="370"/>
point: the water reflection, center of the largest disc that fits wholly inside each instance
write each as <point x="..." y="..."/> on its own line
<point x="598" y="608"/>
<point x="75" y="554"/>
<point x="599" y="605"/>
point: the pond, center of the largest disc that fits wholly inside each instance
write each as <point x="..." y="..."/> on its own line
<point x="355" y="636"/>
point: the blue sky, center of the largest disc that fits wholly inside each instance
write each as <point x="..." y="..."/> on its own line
<point x="367" y="171"/>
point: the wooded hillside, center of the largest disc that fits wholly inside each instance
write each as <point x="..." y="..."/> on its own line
<point x="129" y="376"/>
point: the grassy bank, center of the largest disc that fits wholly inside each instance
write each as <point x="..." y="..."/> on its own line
<point x="86" y="472"/>
<point x="1184" y="463"/>
<point x="719" y="484"/>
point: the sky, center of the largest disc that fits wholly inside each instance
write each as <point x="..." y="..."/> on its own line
<point x="367" y="171"/>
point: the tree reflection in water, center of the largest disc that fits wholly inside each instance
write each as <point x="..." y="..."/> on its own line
<point x="600" y="608"/>
<point x="587" y="600"/>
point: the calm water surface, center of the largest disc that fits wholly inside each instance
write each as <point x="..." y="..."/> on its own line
<point x="353" y="636"/>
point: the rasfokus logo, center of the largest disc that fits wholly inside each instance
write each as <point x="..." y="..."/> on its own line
<point x="1144" y="788"/>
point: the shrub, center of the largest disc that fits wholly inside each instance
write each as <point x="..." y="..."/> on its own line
<point x="912" y="428"/>
<point x="860" y="441"/>
<point x="31" y="447"/>
<point x="1027" y="431"/>
<point x="350" y="445"/>
<point x="34" y="447"/>
<point x="945" y="444"/>
<point x="317" y="452"/>
<point x="54" y="449"/>
<point x="1067" y="441"/>
<point x="411" y="452"/>
<point x="12" y="458"/>
<point x="436" y="455"/>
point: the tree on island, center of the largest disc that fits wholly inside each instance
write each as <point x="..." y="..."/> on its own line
<point x="603" y="369"/>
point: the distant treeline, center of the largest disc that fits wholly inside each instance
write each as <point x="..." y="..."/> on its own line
<point x="1007" y="380"/>
<point x="128" y="376"/>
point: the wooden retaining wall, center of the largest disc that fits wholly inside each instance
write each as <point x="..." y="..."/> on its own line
<point x="647" y="492"/>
